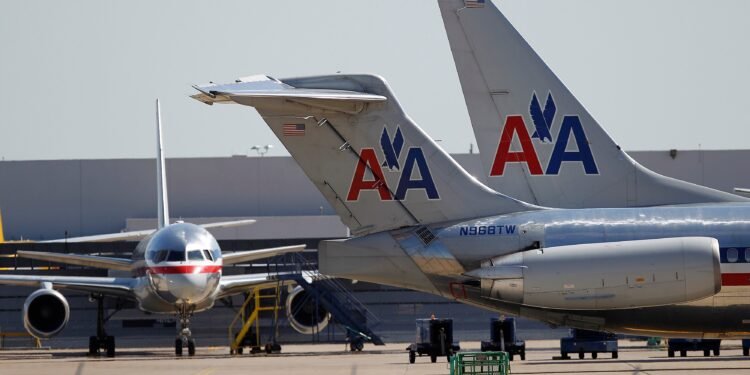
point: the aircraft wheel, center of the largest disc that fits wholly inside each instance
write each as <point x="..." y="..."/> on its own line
<point x="412" y="356"/>
<point x="178" y="347"/>
<point x="356" y="346"/>
<point x="110" y="344"/>
<point x="191" y="347"/>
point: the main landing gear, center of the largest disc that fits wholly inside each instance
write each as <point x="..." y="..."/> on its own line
<point x="101" y="340"/>
<point x="184" y="336"/>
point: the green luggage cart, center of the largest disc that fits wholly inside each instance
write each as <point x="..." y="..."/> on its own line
<point x="480" y="363"/>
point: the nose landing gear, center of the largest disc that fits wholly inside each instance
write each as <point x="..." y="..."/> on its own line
<point x="184" y="336"/>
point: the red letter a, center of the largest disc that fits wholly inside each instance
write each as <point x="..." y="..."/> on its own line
<point x="367" y="158"/>
<point x="515" y="125"/>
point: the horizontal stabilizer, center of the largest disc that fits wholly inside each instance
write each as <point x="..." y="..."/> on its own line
<point x="119" y="264"/>
<point x="251" y="255"/>
<point x="109" y="237"/>
<point x="227" y="224"/>
<point x="139" y="234"/>
<point x="264" y="90"/>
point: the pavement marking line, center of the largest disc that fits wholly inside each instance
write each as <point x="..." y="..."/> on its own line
<point x="637" y="369"/>
<point x="206" y="371"/>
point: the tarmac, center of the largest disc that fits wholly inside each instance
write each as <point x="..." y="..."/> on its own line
<point x="634" y="358"/>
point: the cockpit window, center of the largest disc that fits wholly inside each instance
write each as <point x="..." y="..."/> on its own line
<point x="176" y="256"/>
<point x="158" y="256"/>
<point x="207" y="254"/>
<point x="195" y="255"/>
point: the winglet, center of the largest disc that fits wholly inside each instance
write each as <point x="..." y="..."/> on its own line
<point x="161" y="178"/>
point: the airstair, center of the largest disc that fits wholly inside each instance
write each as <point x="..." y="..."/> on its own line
<point x="346" y="311"/>
<point x="256" y="302"/>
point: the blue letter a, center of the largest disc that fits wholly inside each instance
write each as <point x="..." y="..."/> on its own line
<point x="572" y="124"/>
<point x="415" y="157"/>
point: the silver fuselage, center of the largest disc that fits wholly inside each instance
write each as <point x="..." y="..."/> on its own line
<point x="165" y="280"/>
<point x="461" y="247"/>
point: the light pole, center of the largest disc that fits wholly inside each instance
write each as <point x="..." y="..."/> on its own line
<point x="261" y="150"/>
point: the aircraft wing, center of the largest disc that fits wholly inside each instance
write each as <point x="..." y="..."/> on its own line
<point x="236" y="284"/>
<point x="251" y="255"/>
<point x="111" y="286"/>
<point x="120" y="264"/>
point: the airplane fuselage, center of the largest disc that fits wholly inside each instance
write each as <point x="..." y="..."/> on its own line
<point x="178" y="265"/>
<point x="462" y="247"/>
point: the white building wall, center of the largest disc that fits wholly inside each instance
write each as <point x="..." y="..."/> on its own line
<point x="45" y="199"/>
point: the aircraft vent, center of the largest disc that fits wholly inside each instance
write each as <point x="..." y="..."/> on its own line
<point x="425" y="235"/>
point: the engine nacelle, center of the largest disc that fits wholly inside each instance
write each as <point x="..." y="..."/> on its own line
<point x="45" y="313"/>
<point x="612" y="275"/>
<point x="303" y="314"/>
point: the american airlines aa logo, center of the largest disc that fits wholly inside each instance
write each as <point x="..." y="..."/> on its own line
<point x="412" y="172"/>
<point x="543" y="120"/>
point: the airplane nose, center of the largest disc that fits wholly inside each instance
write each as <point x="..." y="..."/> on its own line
<point x="187" y="287"/>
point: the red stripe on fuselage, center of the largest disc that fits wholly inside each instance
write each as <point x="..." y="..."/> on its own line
<point x="735" y="279"/>
<point x="171" y="270"/>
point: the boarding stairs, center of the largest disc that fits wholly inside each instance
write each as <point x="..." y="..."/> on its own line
<point x="346" y="311"/>
<point x="248" y="319"/>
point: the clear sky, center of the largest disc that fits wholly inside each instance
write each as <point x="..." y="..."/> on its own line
<point x="80" y="77"/>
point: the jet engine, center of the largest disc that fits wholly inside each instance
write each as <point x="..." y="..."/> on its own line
<point x="45" y="313"/>
<point x="612" y="275"/>
<point x="304" y="314"/>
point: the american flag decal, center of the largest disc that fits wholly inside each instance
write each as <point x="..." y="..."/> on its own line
<point x="289" y="130"/>
<point x="474" y="3"/>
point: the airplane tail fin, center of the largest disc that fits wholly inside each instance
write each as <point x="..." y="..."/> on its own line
<point x="536" y="141"/>
<point x="376" y="168"/>
<point x="2" y="230"/>
<point x="161" y="178"/>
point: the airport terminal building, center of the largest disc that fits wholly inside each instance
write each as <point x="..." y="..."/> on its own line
<point x="54" y="199"/>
